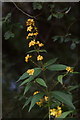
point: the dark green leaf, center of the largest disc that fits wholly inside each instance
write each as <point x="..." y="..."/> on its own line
<point x="58" y="15"/>
<point x="41" y="82"/>
<point x="65" y="114"/>
<point x="57" y="67"/>
<point x="50" y="62"/>
<point x="70" y="88"/>
<point x="27" y="88"/>
<point x="37" y="5"/>
<point x="8" y="35"/>
<point x="36" y="51"/>
<point x="73" y="46"/>
<point x="60" y="79"/>
<point x="50" y="17"/>
<point x="35" y="99"/>
<point x="63" y="97"/>
<point x="27" y="101"/>
<point x="24" y="76"/>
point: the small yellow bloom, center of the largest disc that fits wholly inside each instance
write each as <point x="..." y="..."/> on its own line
<point x="30" y="34"/>
<point x="35" y="33"/>
<point x="59" y="112"/>
<point x="37" y="42"/>
<point x="27" y="57"/>
<point x="32" y="43"/>
<point x="53" y="112"/>
<point x="30" y="22"/>
<point x="35" y="92"/>
<point x="69" y="69"/>
<point x="59" y="108"/>
<point x="36" y="29"/>
<point x="41" y="44"/>
<point x="39" y="57"/>
<point x="40" y="103"/>
<point x="29" y="28"/>
<point x="45" y="98"/>
<point x="30" y="71"/>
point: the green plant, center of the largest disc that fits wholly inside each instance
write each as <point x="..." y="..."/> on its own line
<point x="46" y="93"/>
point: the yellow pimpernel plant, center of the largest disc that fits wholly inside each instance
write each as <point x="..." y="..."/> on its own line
<point x="49" y="92"/>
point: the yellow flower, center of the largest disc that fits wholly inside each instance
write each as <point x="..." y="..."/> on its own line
<point x="35" y="92"/>
<point x="30" y="34"/>
<point x="39" y="57"/>
<point x="59" y="108"/>
<point x="41" y="44"/>
<point x="59" y="112"/>
<point x="27" y="57"/>
<point x="29" y="28"/>
<point x="53" y="112"/>
<point x="56" y="112"/>
<point x="32" y="43"/>
<point x="69" y="69"/>
<point x="35" y="33"/>
<point x="30" y="71"/>
<point x="36" y="28"/>
<point x="30" y="22"/>
<point x="45" y="98"/>
<point x="40" y="103"/>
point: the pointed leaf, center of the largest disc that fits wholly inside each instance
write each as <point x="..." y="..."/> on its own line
<point x="50" y="62"/>
<point x="27" y="101"/>
<point x="37" y="71"/>
<point x="27" y="87"/>
<point x="60" y="77"/>
<point x="63" y="97"/>
<point x="56" y="67"/>
<point x="65" y="114"/>
<point x="24" y="76"/>
<point x="41" y="82"/>
<point x="35" y="99"/>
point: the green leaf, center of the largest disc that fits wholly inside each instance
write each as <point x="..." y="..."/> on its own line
<point x="36" y="51"/>
<point x="70" y="88"/>
<point x="37" y="5"/>
<point x="63" y="97"/>
<point x="58" y="15"/>
<point x="37" y="71"/>
<point x="27" y="87"/>
<point x="41" y="82"/>
<point x="65" y="114"/>
<point x="24" y="76"/>
<point x="35" y="99"/>
<point x="73" y="46"/>
<point x="60" y="77"/>
<point x="27" y="101"/>
<point x="50" y="62"/>
<point x="50" y="17"/>
<point x="8" y="35"/>
<point x="57" y="67"/>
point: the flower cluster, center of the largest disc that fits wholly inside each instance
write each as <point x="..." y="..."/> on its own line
<point x="30" y="71"/>
<point x="33" y="42"/>
<point x="27" y="57"/>
<point x="56" y="112"/>
<point x="69" y="69"/>
<point x="31" y="28"/>
<point x="41" y="101"/>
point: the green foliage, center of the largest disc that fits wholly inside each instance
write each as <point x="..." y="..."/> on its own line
<point x="8" y="35"/>
<point x="64" y="98"/>
<point x="65" y="114"/>
<point x="31" y="51"/>
<point x="41" y="82"/>
<point x="57" y="67"/>
<point x="35" y="99"/>
<point x="60" y="79"/>
<point x="50" y="62"/>
<point x="37" y="5"/>
<point x="32" y="77"/>
<point x="27" y="101"/>
<point x="28" y="86"/>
